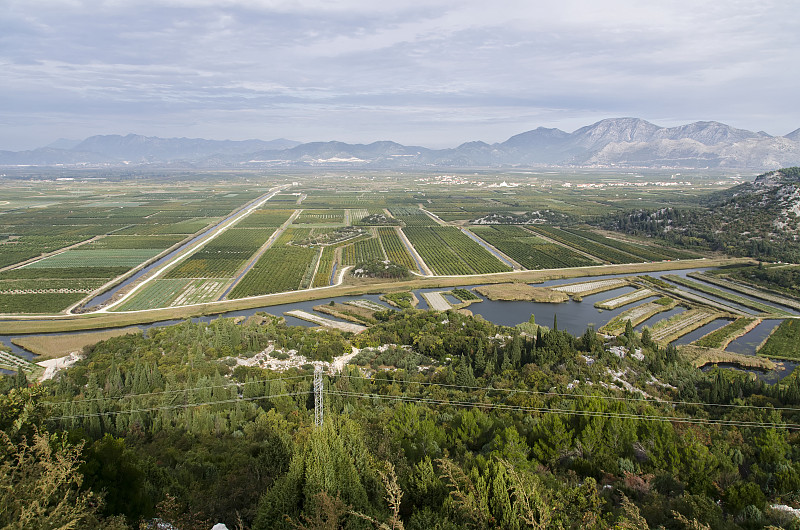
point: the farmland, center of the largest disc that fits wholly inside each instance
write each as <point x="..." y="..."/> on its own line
<point x="528" y="250"/>
<point x="80" y="237"/>
<point x="448" y="251"/>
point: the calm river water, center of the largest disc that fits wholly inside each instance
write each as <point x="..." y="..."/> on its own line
<point x="572" y="316"/>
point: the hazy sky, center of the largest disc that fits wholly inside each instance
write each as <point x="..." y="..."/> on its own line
<point x="434" y="73"/>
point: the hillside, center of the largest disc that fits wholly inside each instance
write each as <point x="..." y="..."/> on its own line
<point x="760" y="219"/>
<point x="546" y="430"/>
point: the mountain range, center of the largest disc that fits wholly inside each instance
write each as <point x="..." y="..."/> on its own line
<point x="613" y="142"/>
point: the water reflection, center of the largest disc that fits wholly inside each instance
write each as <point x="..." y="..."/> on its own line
<point x="747" y="343"/>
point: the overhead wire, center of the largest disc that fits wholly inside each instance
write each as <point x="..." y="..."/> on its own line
<point x="577" y="395"/>
<point x="164" y="392"/>
<point x="619" y="415"/>
<point x="178" y="406"/>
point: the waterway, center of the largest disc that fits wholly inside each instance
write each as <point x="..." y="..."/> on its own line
<point x="107" y="295"/>
<point x="571" y="316"/>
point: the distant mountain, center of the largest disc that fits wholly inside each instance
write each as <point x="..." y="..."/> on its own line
<point x="134" y="147"/>
<point x="63" y="143"/>
<point x="613" y="142"/>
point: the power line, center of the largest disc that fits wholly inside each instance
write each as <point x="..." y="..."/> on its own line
<point x="619" y="415"/>
<point x="164" y="392"/>
<point x="170" y="407"/>
<point x="432" y="401"/>
<point x="574" y="396"/>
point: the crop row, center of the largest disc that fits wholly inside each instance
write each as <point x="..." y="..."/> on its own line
<point x="648" y="254"/>
<point x="320" y="216"/>
<point x="37" y="303"/>
<point x="117" y="241"/>
<point x="528" y="250"/>
<point x="681" y="324"/>
<point x="265" y="218"/>
<point x="412" y="216"/>
<point x="222" y="256"/>
<point x="590" y="247"/>
<point x="449" y="252"/>
<point x="184" y="227"/>
<point x="325" y="268"/>
<point x="395" y="249"/>
<point x="78" y="257"/>
<point x="366" y="250"/>
<point x="158" y="293"/>
<point x="280" y="268"/>
<point x="741" y="300"/>
<point x="358" y="214"/>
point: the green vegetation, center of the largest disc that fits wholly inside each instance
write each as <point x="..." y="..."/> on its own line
<point x="598" y="250"/>
<point x="379" y="269"/>
<point x="368" y="249"/>
<point x="320" y="217"/>
<point x="784" y="341"/>
<point x="395" y="249"/>
<point x="172" y="426"/>
<point x="448" y="251"/>
<point x="465" y="295"/>
<point x="112" y="257"/>
<point x="782" y="278"/>
<point x="38" y="303"/>
<point x="646" y="253"/>
<point x="403" y="299"/>
<point x="325" y="268"/>
<point x="528" y="250"/>
<point x="412" y="216"/>
<point x="721" y="337"/>
<point x="224" y="255"/>
<point x="279" y="269"/>
<point x="740" y="221"/>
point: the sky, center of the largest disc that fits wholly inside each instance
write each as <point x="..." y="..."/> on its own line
<point x="435" y="73"/>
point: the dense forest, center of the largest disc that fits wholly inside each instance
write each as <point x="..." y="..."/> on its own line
<point x="445" y="421"/>
<point x="758" y="220"/>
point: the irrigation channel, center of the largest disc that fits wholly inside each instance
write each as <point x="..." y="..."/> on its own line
<point x="105" y="296"/>
<point x="571" y="315"/>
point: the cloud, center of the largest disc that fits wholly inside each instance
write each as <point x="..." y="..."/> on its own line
<point x="412" y="67"/>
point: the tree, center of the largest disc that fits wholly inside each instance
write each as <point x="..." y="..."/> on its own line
<point x="41" y="488"/>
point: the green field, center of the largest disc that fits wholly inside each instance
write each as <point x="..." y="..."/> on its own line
<point x="528" y="250"/>
<point x="448" y="251"/>
<point x="784" y="343"/>
<point x="113" y="257"/>
<point x="395" y="249"/>
<point x="280" y="268"/>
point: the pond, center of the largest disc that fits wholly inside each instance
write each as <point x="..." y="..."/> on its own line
<point x="571" y="316"/>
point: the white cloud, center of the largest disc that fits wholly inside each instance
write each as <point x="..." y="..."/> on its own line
<point x="413" y="67"/>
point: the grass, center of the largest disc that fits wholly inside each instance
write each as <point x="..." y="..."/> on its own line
<point x="403" y="299"/>
<point x="700" y="356"/>
<point x="521" y="292"/>
<point x="52" y="346"/>
<point x="636" y="315"/>
<point x="464" y="295"/>
<point x="784" y="343"/>
<point x="723" y="336"/>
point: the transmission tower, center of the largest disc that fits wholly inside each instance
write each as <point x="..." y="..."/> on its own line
<point x="318" y="395"/>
